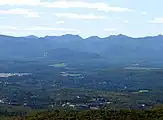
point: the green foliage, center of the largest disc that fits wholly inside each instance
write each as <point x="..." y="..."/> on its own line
<point x="153" y="114"/>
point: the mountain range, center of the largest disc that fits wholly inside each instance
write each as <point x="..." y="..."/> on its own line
<point x="113" y="48"/>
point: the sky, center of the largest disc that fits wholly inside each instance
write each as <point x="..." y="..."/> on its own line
<point x="135" y="18"/>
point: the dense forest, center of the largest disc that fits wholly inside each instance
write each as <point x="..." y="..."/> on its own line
<point x="102" y="114"/>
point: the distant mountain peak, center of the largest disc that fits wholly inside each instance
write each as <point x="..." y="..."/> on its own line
<point x="70" y="35"/>
<point x="160" y="35"/>
<point x="64" y="37"/>
<point x="119" y="35"/>
<point x="31" y="36"/>
<point x="94" y="37"/>
<point x="5" y="35"/>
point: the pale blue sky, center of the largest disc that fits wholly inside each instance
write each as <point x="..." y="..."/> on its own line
<point x="102" y="18"/>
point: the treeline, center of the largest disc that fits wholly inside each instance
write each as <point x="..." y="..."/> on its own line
<point x="153" y="114"/>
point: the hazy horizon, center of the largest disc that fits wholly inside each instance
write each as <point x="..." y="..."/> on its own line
<point x="81" y="36"/>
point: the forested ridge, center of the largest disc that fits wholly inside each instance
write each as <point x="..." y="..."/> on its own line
<point x="102" y="114"/>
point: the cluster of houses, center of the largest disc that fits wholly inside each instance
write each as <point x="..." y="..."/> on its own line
<point x="95" y="103"/>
